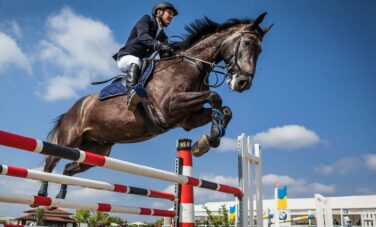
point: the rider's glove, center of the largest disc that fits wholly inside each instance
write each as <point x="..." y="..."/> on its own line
<point x="167" y="48"/>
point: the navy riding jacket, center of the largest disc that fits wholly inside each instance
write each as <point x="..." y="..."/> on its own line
<point x="142" y="41"/>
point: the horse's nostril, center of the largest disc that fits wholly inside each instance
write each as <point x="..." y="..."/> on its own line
<point x="242" y="84"/>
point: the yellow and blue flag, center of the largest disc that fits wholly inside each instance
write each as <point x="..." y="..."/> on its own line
<point x="282" y="198"/>
<point x="232" y="212"/>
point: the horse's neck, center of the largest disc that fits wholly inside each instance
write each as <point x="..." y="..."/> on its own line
<point x="208" y="48"/>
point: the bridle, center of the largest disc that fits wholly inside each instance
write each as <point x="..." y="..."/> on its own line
<point x="229" y="67"/>
<point x="234" y="59"/>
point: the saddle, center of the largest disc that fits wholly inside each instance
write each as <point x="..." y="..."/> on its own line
<point x="116" y="88"/>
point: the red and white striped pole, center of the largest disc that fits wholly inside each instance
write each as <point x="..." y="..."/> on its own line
<point x="102" y="207"/>
<point x="186" y="214"/>
<point x="82" y="182"/>
<point x="41" y="147"/>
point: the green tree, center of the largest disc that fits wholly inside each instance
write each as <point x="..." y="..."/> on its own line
<point x="83" y="216"/>
<point x="221" y="219"/>
<point x="39" y="216"/>
<point x="94" y="219"/>
<point x="159" y="222"/>
<point x="117" y="220"/>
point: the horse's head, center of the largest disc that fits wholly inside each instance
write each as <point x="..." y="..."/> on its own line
<point x="240" y="52"/>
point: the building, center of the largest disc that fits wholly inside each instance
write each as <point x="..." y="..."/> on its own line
<point x="55" y="218"/>
<point x="355" y="208"/>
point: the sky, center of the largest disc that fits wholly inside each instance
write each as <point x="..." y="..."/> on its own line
<point x="310" y="106"/>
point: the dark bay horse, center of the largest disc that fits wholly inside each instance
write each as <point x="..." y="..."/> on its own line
<point x="177" y="93"/>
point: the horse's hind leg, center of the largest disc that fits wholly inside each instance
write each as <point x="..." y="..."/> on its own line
<point x="50" y="164"/>
<point x="68" y="139"/>
<point x="75" y="167"/>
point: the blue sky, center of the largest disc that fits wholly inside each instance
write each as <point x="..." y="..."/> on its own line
<point x="310" y="107"/>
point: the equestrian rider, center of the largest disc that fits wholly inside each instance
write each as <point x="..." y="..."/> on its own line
<point x="146" y="38"/>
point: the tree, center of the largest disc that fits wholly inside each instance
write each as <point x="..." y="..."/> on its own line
<point x="159" y="222"/>
<point x="218" y="220"/>
<point x="97" y="218"/>
<point x="39" y="216"/>
<point x="82" y="216"/>
<point x="117" y="220"/>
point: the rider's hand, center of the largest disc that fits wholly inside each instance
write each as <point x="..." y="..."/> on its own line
<point x="167" y="48"/>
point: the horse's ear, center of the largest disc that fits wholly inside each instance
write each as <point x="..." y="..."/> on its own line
<point x="265" y="30"/>
<point x="259" y="19"/>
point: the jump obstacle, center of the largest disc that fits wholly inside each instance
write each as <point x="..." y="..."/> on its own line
<point x="76" y="181"/>
<point x="184" y="209"/>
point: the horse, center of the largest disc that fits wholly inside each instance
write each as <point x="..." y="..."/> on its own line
<point x="177" y="93"/>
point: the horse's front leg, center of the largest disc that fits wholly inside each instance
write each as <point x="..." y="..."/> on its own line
<point x="220" y="117"/>
<point x="197" y="119"/>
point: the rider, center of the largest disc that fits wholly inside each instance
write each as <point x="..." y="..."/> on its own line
<point x="146" y="38"/>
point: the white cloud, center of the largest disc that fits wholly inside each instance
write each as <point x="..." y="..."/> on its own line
<point x="289" y="137"/>
<point x="12" y="55"/>
<point x="170" y="188"/>
<point x="343" y="166"/>
<point x="161" y="205"/>
<point x="298" y="186"/>
<point x="88" y="195"/>
<point x="228" y="145"/>
<point x="231" y="181"/>
<point x="205" y="195"/>
<point x="324" y="169"/>
<point x="63" y="87"/>
<point x="15" y="28"/>
<point x="370" y="160"/>
<point x="81" y="48"/>
<point x="366" y="190"/>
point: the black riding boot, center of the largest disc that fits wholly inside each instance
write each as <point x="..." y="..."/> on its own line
<point x="131" y="80"/>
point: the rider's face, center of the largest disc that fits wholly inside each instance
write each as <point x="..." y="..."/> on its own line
<point x="166" y="16"/>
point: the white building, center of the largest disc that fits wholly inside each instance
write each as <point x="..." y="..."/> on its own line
<point x="354" y="207"/>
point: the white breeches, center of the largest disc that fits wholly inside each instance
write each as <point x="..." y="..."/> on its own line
<point x="125" y="61"/>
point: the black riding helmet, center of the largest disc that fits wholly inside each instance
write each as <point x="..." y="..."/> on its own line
<point x="163" y="6"/>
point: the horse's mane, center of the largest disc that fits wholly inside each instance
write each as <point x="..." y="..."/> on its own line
<point x="203" y="27"/>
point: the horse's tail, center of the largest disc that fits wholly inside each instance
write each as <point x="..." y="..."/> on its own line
<point x="52" y="135"/>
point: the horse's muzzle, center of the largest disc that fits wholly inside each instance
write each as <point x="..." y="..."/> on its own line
<point x="240" y="83"/>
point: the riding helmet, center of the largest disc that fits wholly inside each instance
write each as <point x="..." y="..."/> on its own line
<point x="163" y="6"/>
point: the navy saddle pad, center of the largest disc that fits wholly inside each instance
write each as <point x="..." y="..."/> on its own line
<point x="116" y="88"/>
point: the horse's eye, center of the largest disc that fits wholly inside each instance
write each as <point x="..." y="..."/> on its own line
<point x="247" y="43"/>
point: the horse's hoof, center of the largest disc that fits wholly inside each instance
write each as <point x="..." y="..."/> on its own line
<point x="214" y="142"/>
<point x="227" y="115"/>
<point x="201" y="146"/>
